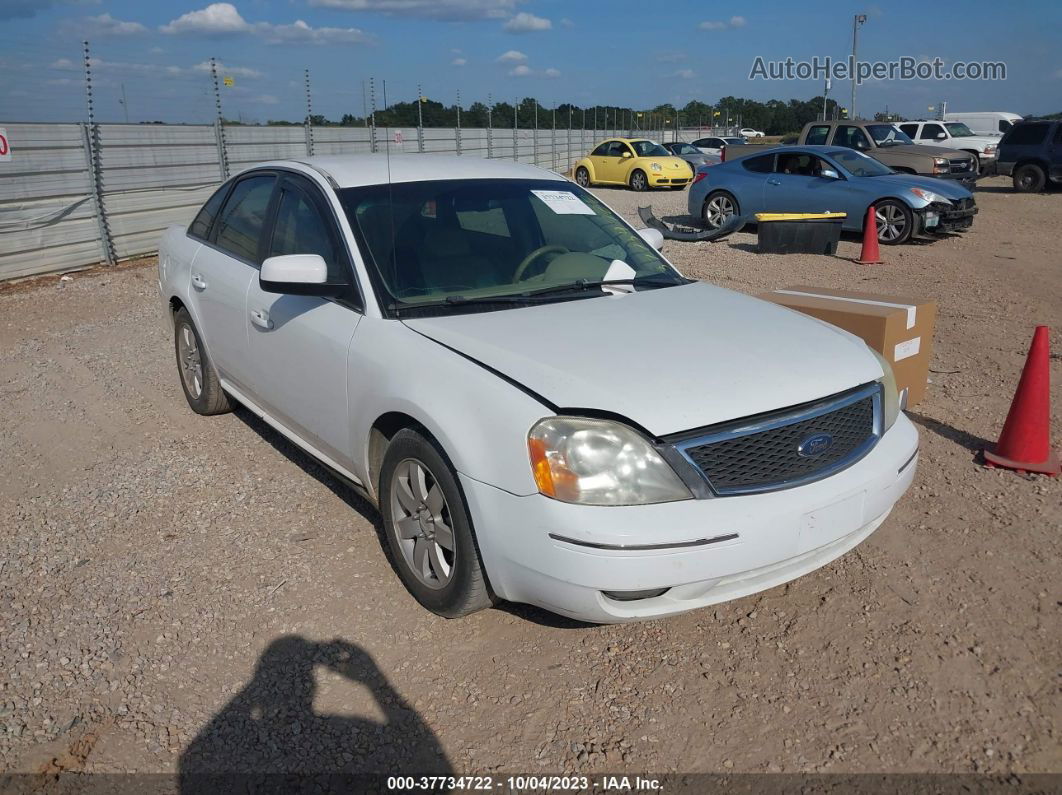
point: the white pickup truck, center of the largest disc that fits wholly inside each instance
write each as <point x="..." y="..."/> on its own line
<point x="954" y="135"/>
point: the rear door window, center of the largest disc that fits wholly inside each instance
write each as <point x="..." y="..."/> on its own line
<point x="911" y="130"/>
<point x="818" y="134"/>
<point x="239" y="224"/>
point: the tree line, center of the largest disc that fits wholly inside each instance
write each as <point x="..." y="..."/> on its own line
<point x="774" y="117"/>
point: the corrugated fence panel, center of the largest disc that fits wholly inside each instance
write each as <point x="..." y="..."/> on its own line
<point x="153" y="175"/>
<point x="47" y="221"/>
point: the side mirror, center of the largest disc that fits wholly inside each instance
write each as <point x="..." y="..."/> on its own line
<point x="296" y="274"/>
<point x="626" y="154"/>
<point x="941" y="136"/>
<point x="653" y="237"/>
<point x="829" y="173"/>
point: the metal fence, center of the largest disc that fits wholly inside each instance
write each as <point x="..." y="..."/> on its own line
<point x="74" y="195"/>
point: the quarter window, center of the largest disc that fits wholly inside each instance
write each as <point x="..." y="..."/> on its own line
<point x="602" y="150"/>
<point x="201" y="225"/>
<point x="300" y="229"/>
<point x="761" y="164"/>
<point x="911" y="130"/>
<point x="239" y="225"/>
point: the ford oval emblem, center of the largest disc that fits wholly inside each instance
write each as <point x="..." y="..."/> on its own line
<point x="815" y="445"/>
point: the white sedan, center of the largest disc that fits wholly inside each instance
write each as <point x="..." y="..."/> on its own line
<point x="748" y="132"/>
<point x="542" y="408"/>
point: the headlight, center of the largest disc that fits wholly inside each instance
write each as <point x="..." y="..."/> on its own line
<point x="990" y="149"/>
<point x="927" y="195"/>
<point x="940" y="161"/>
<point x="941" y="165"/>
<point x="655" y="166"/>
<point x="599" y="462"/>
<point x="891" y="405"/>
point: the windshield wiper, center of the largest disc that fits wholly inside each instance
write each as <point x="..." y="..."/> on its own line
<point x="581" y="285"/>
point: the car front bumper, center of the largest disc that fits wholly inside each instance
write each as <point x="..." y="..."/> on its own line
<point x="950" y="218"/>
<point x="669" y="180"/>
<point x="750" y="543"/>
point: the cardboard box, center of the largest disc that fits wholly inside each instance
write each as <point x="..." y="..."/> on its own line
<point x="900" y="329"/>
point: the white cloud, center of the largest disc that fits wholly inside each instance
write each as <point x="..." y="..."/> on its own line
<point x="512" y="56"/>
<point x="222" y="19"/>
<point x="215" y="19"/>
<point x="451" y="10"/>
<point x="734" y="22"/>
<point x="523" y="70"/>
<point x="685" y="74"/>
<point x="103" y="25"/>
<point x="566" y="23"/>
<point x="527" y="23"/>
<point x="233" y="71"/>
<point x="459" y="61"/>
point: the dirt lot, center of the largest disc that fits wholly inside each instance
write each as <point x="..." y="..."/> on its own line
<point x="181" y="593"/>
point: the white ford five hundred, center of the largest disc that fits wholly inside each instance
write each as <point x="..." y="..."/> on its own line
<point x="543" y="409"/>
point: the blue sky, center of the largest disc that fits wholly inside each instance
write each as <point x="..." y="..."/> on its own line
<point x="619" y="52"/>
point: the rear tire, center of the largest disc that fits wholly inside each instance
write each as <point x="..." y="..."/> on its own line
<point x="199" y="379"/>
<point x="638" y="181"/>
<point x="718" y="207"/>
<point x="1029" y="178"/>
<point x="895" y="222"/>
<point x="582" y="177"/>
<point x="428" y="528"/>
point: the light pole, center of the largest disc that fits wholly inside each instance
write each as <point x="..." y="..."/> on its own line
<point x="857" y="20"/>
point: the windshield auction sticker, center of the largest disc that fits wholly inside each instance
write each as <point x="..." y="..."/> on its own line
<point x="563" y="203"/>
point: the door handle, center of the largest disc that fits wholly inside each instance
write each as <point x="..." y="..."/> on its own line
<point x="261" y="319"/>
<point x="197" y="282"/>
<point x="773" y="181"/>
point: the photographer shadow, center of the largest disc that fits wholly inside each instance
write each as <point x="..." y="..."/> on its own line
<point x="269" y="738"/>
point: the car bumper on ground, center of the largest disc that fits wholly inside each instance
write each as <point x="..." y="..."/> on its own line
<point x="564" y="558"/>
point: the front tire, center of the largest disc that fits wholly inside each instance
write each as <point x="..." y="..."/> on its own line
<point x="1029" y="178"/>
<point x="428" y="528"/>
<point x="638" y="181"/>
<point x="895" y="222"/>
<point x="582" y="177"/>
<point x="199" y="379"/>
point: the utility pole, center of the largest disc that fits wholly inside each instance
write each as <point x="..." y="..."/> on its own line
<point x="857" y="20"/>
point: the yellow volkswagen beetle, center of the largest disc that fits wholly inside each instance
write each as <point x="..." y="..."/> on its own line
<point x="637" y="162"/>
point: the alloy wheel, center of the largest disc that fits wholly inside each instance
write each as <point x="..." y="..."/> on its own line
<point x="638" y="181"/>
<point x="190" y="361"/>
<point x="891" y="223"/>
<point x="582" y="178"/>
<point x="718" y="210"/>
<point x="421" y="523"/>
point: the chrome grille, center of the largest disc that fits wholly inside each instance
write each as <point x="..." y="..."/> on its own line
<point x="767" y="453"/>
<point x="960" y="165"/>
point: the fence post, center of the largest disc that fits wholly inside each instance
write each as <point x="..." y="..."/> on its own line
<point x="457" y="131"/>
<point x="516" y="125"/>
<point x="490" y="127"/>
<point x="553" y="139"/>
<point x="309" y="117"/>
<point x="91" y="142"/>
<point x="534" y="140"/>
<point x="223" y="159"/>
<point x="420" y="120"/>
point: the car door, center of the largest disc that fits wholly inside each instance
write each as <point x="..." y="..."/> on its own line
<point x="932" y="133"/>
<point x="611" y="165"/>
<point x="600" y="160"/>
<point x="796" y="186"/>
<point x="223" y="270"/>
<point x="297" y="345"/>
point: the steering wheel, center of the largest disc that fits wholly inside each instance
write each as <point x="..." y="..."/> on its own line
<point x="538" y="252"/>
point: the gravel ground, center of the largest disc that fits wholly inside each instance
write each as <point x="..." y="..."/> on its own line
<point x="180" y="593"/>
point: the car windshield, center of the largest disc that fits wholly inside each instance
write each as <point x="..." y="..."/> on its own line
<point x="449" y="243"/>
<point x="734" y="141"/>
<point x="887" y="135"/>
<point x="958" y="129"/>
<point x="858" y="164"/>
<point x="648" y="149"/>
<point x="685" y="149"/>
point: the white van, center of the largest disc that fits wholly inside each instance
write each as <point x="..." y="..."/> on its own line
<point x="990" y="122"/>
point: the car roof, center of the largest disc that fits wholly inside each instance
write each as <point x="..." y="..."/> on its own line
<point x="351" y="171"/>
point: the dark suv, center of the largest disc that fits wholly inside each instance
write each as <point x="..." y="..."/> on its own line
<point x="1031" y="153"/>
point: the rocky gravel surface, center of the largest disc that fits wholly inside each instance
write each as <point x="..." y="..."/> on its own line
<point x="180" y="594"/>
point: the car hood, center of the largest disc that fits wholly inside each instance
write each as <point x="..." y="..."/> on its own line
<point x="948" y="188"/>
<point x="669" y="359"/>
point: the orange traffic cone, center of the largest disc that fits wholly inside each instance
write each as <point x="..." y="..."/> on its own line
<point x="1025" y="444"/>
<point x="869" y="254"/>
